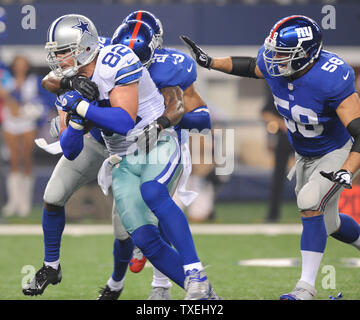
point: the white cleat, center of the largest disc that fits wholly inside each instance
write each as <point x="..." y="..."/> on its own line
<point x="302" y="291"/>
<point x="159" y="293"/>
<point x="197" y="286"/>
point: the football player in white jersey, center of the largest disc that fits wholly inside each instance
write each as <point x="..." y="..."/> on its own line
<point x="125" y="92"/>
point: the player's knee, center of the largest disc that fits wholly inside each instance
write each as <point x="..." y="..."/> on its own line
<point x="55" y="193"/>
<point x="332" y="222"/>
<point x="154" y="193"/>
<point x="119" y="231"/>
<point x="147" y="239"/>
<point x="310" y="213"/>
<point x="309" y="196"/>
<point x="52" y="208"/>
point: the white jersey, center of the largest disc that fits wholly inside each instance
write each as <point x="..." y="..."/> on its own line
<point x="118" y="65"/>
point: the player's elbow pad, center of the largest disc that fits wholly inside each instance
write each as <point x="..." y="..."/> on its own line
<point x="116" y="120"/>
<point x="244" y="67"/>
<point x="72" y="142"/>
<point x="198" y="118"/>
<point x="354" y="129"/>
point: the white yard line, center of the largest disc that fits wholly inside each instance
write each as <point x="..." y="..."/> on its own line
<point x="224" y="229"/>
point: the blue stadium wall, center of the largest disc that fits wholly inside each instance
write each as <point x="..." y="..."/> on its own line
<point x="207" y="24"/>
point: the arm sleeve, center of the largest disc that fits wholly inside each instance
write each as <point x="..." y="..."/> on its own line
<point x="71" y="142"/>
<point x="198" y="118"/>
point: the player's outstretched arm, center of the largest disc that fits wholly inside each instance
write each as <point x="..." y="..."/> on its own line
<point x="239" y="66"/>
<point x="349" y="113"/>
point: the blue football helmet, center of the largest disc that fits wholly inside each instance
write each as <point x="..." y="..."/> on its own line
<point x="151" y="20"/>
<point x="293" y="43"/>
<point x="139" y="37"/>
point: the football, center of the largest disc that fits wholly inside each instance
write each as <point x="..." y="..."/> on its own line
<point x="88" y="124"/>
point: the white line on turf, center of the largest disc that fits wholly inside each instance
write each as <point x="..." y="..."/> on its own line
<point x="225" y="229"/>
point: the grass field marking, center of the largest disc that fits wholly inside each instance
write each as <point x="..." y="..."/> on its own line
<point x="227" y="229"/>
<point x="275" y="262"/>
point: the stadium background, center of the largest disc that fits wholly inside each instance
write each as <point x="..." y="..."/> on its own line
<point x="222" y="28"/>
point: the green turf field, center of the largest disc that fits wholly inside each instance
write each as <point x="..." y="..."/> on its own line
<point x="87" y="263"/>
<point x="248" y="212"/>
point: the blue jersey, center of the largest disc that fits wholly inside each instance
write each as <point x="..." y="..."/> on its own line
<point x="308" y="103"/>
<point x="171" y="68"/>
<point x="104" y="42"/>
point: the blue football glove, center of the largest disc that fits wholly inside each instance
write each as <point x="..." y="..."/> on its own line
<point x="77" y="122"/>
<point x="70" y="101"/>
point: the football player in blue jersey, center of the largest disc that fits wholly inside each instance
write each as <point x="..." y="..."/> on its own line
<point x="167" y="67"/>
<point x="314" y="91"/>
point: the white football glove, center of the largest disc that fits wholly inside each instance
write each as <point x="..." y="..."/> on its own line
<point x="342" y="177"/>
<point x="55" y="127"/>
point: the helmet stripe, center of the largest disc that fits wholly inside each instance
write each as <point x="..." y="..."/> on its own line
<point x="52" y="30"/>
<point x="280" y="23"/>
<point x="135" y="31"/>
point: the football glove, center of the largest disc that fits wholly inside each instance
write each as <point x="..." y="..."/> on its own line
<point x="341" y="177"/>
<point x="147" y="139"/>
<point x="70" y="101"/>
<point x="201" y="57"/>
<point x="77" y="122"/>
<point x="87" y="88"/>
<point x="55" y="127"/>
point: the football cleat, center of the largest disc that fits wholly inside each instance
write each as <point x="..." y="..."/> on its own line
<point x="45" y="276"/>
<point x="197" y="286"/>
<point x="108" y="294"/>
<point x="302" y="291"/>
<point x="159" y="293"/>
<point x="213" y="295"/>
<point x="138" y="261"/>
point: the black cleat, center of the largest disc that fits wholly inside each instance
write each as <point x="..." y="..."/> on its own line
<point x="42" y="279"/>
<point x="108" y="294"/>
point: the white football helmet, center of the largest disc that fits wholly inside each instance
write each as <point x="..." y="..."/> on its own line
<point x="75" y="35"/>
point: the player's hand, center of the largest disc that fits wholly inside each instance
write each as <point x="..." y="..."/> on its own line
<point x="70" y="101"/>
<point x="341" y="177"/>
<point x="201" y="57"/>
<point x="147" y="139"/>
<point x="77" y="122"/>
<point x="82" y="84"/>
<point x="55" y="127"/>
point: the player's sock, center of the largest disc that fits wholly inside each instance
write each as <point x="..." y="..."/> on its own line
<point x="172" y="219"/>
<point x="312" y="244"/>
<point x="116" y="285"/>
<point x="349" y="231"/>
<point x="160" y="254"/>
<point x="123" y="250"/>
<point x="160" y="280"/>
<point x="53" y="223"/>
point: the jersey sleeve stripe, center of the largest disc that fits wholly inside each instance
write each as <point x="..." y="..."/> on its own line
<point x="124" y="71"/>
<point x="129" y="78"/>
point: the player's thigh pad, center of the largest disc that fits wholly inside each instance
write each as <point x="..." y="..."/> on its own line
<point x="68" y="176"/>
<point x="314" y="192"/>
<point x="119" y="231"/>
<point x="131" y="207"/>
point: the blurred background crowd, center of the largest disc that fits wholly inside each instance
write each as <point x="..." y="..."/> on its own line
<point x="256" y="189"/>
